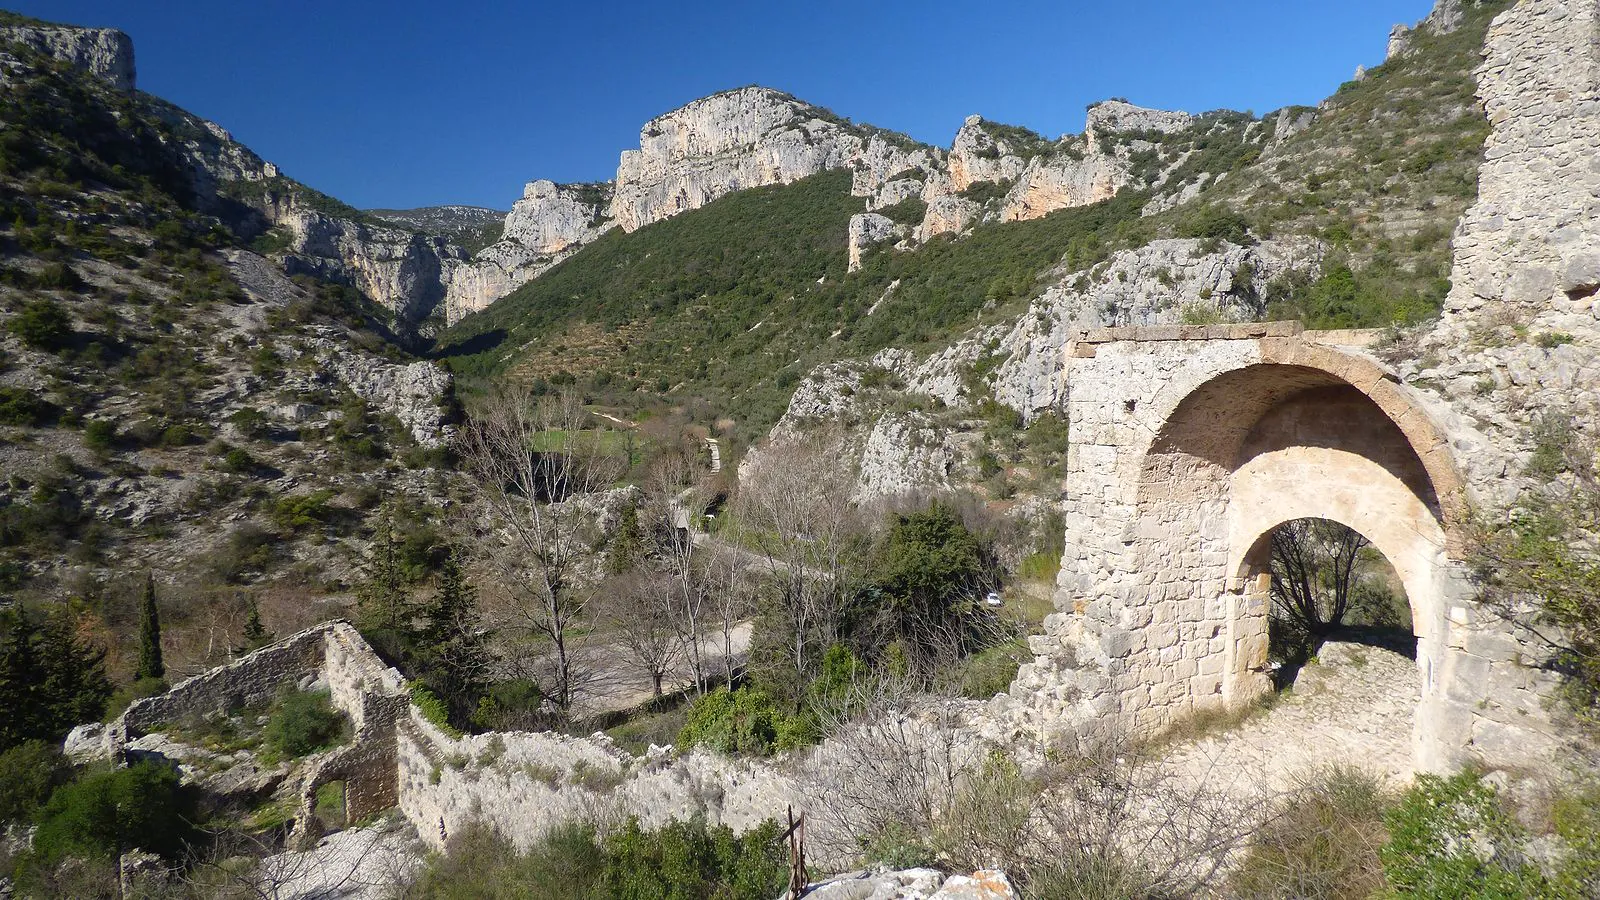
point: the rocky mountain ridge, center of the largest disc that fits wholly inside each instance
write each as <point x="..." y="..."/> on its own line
<point x="754" y="136"/>
<point x="398" y="267"/>
<point x="105" y="53"/>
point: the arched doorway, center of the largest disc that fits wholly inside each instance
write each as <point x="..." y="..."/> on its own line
<point x="1259" y="446"/>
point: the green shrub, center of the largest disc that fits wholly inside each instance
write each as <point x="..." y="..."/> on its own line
<point x="179" y="435"/>
<point x="108" y="812"/>
<point x="991" y="671"/>
<point x="43" y="324"/>
<point x="742" y="721"/>
<point x="302" y="723"/>
<point x="58" y="276"/>
<point x="20" y="406"/>
<point x="138" y="690"/>
<point x="302" y="511"/>
<point x="29" y="773"/>
<point x="1322" y="840"/>
<point x="100" y="434"/>
<point x="512" y="705"/>
<point x="682" y="861"/>
<point x="1452" y="837"/>
<point x="689" y="860"/>
<point x="433" y="709"/>
<point x="238" y="461"/>
<point x="482" y="865"/>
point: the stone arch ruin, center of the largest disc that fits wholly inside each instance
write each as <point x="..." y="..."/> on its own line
<point x="1189" y="445"/>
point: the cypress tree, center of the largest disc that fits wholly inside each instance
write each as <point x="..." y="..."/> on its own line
<point x="453" y="649"/>
<point x="150" y="665"/>
<point x="382" y="599"/>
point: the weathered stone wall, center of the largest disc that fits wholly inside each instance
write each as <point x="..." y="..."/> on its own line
<point x="1527" y="253"/>
<point x="1188" y="445"/>
<point x="370" y="693"/>
<point x="249" y="680"/>
<point x="525" y="783"/>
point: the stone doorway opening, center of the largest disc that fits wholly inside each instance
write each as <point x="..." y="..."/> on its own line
<point x="1328" y="582"/>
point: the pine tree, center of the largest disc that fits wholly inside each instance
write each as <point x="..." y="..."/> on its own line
<point x="74" y="688"/>
<point x="150" y="665"/>
<point x="628" y="544"/>
<point x="256" y="635"/>
<point x="20" y="677"/>
<point x="452" y="647"/>
<point x="383" y="598"/>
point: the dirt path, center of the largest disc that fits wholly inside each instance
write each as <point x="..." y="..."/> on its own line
<point x="1354" y="707"/>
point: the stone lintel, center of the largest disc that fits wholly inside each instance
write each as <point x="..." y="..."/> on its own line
<point x="1358" y="338"/>
<point x="1246" y="331"/>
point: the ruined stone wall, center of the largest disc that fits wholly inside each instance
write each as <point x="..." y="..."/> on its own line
<point x="1527" y="252"/>
<point x="524" y="783"/>
<point x="1519" y="341"/>
<point x="249" y="680"/>
<point x="1190" y="444"/>
<point x="372" y="694"/>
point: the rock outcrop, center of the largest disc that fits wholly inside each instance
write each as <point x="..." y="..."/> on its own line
<point x="547" y="225"/>
<point x="866" y="230"/>
<point x="105" y="53"/>
<point x="402" y="271"/>
<point x="727" y="142"/>
<point x="1446" y="16"/>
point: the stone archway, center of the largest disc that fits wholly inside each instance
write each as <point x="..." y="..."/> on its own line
<point x="1191" y="445"/>
<point x="1253" y="447"/>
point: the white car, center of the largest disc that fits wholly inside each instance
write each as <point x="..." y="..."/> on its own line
<point x="993" y="599"/>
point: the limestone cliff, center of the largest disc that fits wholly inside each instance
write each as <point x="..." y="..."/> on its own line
<point x="403" y="271"/>
<point x="745" y="138"/>
<point x="547" y="225"/>
<point x="105" y="53"/>
<point x="730" y="141"/>
<point x="400" y="269"/>
<point x="396" y="268"/>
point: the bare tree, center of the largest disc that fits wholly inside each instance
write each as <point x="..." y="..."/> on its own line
<point x="1106" y="817"/>
<point x="639" y="611"/>
<point x="1316" y="566"/>
<point x="797" y="507"/>
<point x="732" y="594"/>
<point x="534" y="465"/>
<point x="678" y="504"/>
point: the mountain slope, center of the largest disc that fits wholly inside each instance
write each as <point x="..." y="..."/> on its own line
<point x="710" y="305"/>
<point x="170" y="399"/>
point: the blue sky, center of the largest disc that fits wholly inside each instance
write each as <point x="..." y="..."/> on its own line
<point x="409" y="103"/>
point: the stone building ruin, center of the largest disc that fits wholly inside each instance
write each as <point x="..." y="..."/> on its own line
<point x="1189" y="445"/>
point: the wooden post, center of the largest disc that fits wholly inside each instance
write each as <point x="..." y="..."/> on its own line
<point x="796" y="835"/>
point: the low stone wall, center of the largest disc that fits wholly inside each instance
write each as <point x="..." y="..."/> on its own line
<point x="251" y="679"/>
<point x="372" y="695"/>
<point x="524" y="783"/>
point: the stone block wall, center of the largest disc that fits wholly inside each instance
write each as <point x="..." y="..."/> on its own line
<point x="252" y="679"/>
<point x="1188" y="445"/>
<point x="524" y="783"/>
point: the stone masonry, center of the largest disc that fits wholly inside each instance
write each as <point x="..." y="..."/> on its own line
<point x="1189" y="445"/>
